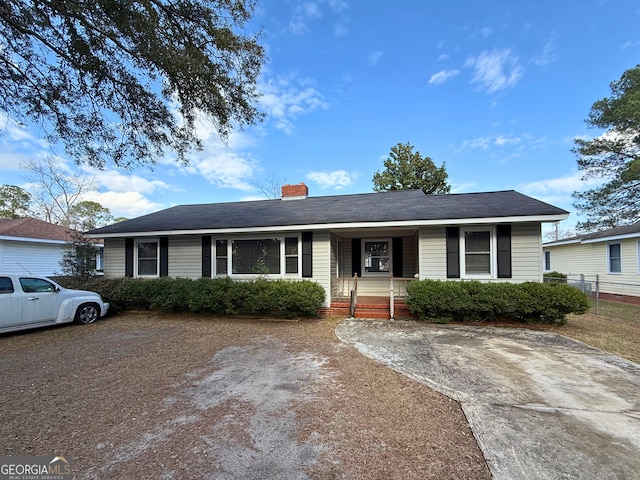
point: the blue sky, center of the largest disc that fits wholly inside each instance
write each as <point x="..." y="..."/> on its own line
<point x="496" y="90"/>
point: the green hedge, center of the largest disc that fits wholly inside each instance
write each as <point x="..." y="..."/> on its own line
<point x="220" y="296"/>
<point x="444" y="301"/>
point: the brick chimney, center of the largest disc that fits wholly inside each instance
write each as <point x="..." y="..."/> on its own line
<point x="295" y="192"/>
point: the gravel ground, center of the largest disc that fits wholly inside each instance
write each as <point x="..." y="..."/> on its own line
<point x="168" y="396"/>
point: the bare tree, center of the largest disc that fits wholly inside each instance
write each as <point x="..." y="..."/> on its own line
<point x="55" y="191"/>
<point x="270" y="187"/>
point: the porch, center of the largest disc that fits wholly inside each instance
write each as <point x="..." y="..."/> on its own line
<point x="370" y="297"/>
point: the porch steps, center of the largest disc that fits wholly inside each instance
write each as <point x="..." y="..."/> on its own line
<point x="370" y="307"/>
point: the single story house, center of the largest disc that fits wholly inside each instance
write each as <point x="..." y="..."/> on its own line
<point x="29" y="245"/>
<point x="399" y="235"/>
<point x="613" y="255"/>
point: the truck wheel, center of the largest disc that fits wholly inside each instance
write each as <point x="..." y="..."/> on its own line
<point x="87" y="313"/>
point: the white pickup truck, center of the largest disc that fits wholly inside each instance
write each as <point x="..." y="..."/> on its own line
<point x="30" y="301"/>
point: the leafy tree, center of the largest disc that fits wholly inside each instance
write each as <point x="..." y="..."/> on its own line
<point x="14" y="201"/>
<point x="126" y="80"/>
<point x="79" y="257"/>
<point x="55" y="191"/>
<point x="613" y="156"/>
<point x="406" y="170"/>
<point x="87" y="215"/>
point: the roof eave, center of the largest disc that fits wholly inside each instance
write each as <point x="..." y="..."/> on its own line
<point x="612" y="238"/>
<point x="339" y="226"/>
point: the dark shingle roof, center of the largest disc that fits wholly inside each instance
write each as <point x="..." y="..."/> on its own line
<point x="613" y="232"/>
<point x="395" y="206"/>
<point x="33" y="228"/>
<point x="602" y="235"/>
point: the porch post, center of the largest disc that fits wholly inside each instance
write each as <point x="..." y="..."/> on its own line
<point x="391" y="299"/>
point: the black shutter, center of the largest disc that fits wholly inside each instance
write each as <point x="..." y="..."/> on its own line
<point x="164" y="256"/>
<point x="504" y="251"/>
<point x="356" y="256"/>
<point x="396" y="245"/>
<point x="128" y="257"/>
<point x="307" y="254"/>
<point x="453" y="252"/>
<point x="206" y="256"/>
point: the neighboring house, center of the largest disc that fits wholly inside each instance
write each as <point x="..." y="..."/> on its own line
<point x="492" y="236"/>
<point x="613" y="255"/>
<point x="31" y="246"/>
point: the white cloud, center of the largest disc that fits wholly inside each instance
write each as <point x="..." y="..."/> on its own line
<point x="374" y="57"/>
<point x="463" y="187"/>
<point x="500" y="141"/>
<point x="338" y="5"/>
<point x="337" y="179"/>
<point x="547" y="55"/>
<point x="485" y="32"/>
<point x="125" y="204"/>
<point x="560" y="186"/>
<point x="224" y="168"/>
<point x="118" y="182"/>
<point x="302" y="15"/>
<point x="442" y="76"/>
<point x="495" y="70"/>
<point x="340" y="29"/>
<point x="630" y="44"/>
<point x="284" y="100"/>
<point x="443" y="56"/>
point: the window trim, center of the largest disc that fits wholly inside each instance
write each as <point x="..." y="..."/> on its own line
<point x="362" y="259"/>
<point x="493" y="252"/>
<point x="283" y="264"/>
<point x="609" y="270"/>
<point x="136" y="265"/>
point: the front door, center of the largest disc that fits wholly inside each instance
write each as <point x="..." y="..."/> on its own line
<point x="376" y="257"/>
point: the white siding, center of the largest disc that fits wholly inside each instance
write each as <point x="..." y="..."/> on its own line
<point x="526" y="253"/>
<point x="590" y="259"/>
<point x="321" y="254"/>
<point x="185" y="256"/>
<point x="114" y="257"/>
<point x="31" y="257"/>
<point x="432" y="254"/>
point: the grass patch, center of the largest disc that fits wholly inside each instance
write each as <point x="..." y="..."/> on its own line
<point x="616" y="329"/>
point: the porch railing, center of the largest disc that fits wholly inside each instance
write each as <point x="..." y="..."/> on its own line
<point x="354" y="296"/>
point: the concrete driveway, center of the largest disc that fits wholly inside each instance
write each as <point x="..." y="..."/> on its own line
<point x="541" y="406"/>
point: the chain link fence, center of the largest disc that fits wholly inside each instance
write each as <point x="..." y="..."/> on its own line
<point x="598" y="289"/>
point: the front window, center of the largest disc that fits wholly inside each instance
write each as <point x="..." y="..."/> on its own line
<point x="376" y="256"/>
<point x="291" y="254"/>
<point x="221" y="257"/>
<point x="615" y="258"/>
<point x="261" y="257"/>
<point x="477" y="252"/>
<point x="147" y="258"/>
<point x="258" y="256"/>
<point x="547" y="261"/>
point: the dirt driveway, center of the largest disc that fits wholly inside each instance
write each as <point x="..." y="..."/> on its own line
<point x="144" y="396"/>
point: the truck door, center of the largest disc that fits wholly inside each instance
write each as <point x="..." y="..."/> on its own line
<point x="40" y="301"/>
<point x="10" y="304"/>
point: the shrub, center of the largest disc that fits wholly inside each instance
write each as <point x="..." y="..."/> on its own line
<point x="444" y="301"/>
<point x="220" y="296"/>
<point x="554" y="277"/>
